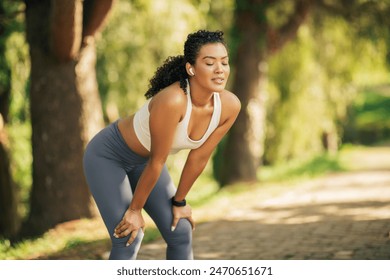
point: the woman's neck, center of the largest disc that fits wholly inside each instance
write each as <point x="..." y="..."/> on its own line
<point x="199" y="97"/>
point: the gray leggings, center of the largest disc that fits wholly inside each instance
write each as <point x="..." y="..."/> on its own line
<point x="112" y="171"/>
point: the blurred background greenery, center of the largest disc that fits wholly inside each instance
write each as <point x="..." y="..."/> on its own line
<point x="327" y="89"/>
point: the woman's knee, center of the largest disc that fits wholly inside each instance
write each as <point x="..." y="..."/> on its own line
<point x="181" y="235"/>
<point x="120" y="250"/>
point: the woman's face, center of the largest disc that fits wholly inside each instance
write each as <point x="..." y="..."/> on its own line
<point x="212" y="67"/>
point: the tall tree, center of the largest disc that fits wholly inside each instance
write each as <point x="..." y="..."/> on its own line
<point x="254" y="39"/>
<point x="65" y="106"/>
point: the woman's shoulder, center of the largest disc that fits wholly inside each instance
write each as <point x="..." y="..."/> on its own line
<point x="171" y="97"/>
<point x="230" y="101"/>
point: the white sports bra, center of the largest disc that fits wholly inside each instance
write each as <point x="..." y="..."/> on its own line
<point x="181" y="139"/>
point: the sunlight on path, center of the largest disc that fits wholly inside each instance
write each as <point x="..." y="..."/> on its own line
<point x="339" y="216"/>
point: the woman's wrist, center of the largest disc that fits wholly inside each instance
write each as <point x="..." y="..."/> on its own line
<point x="134" y="209"/>
<point x="178" y="203"/>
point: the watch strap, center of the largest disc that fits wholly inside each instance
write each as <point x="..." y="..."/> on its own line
<point x="179" y="203"/>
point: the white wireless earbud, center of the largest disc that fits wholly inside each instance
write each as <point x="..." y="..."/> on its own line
<point x="191" y="71"/>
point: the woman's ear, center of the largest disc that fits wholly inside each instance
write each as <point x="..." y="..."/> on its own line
<point x="190" y="69"/>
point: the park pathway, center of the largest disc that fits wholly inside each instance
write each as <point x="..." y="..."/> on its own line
<point x="339" y="216"/>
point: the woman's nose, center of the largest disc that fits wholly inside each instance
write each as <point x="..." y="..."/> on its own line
<point x="219" y="68"/>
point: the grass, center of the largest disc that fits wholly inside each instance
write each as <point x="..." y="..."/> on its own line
<point x="21" y="153"/>
<point x="78" y="239"/>
<point x="60" y="238"/>
<point x="301" y="169"/>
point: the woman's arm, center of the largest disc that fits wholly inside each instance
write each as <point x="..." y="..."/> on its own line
<point x="198" y="158"/>
<point x="166" y="111"/>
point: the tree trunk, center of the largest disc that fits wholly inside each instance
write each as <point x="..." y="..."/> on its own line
<point x="65" y="113"/>
<point x="244" y="143"/>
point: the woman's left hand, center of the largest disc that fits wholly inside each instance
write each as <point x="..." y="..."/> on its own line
<point x="184" y="212"/>
<point x="131" y="222"/>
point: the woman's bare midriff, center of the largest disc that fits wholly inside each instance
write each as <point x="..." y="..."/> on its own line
<point x="126" y="128"/>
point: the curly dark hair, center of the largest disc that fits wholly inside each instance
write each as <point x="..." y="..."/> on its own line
<point x="173" y="68"/>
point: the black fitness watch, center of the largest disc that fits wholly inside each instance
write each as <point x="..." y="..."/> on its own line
<point x="178" y="203"/>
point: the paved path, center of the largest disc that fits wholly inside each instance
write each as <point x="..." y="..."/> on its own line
<point x="339" y="216"/>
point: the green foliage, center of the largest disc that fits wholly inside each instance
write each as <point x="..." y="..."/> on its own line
<point x="372" y="109"/>
<point x="16" y="55"/>
<point x="21" y="154"/>
<point x="18" y="58"/>
<point x="313" y="81"/>
<point x="280" y="13"/>
<point x="219" y="14"/>
<point x="296" y="107"/>
<point x="18" y="128"/>
<point x="369" y="120"/>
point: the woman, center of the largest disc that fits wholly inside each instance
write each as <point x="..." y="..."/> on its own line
<point x="187" y="108"/>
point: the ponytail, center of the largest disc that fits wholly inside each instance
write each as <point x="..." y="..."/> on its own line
<point x="172" y="70"/>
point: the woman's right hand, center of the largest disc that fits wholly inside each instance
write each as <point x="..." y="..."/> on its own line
<point x="184" y="212"/>
<point x="131" y="222"/>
